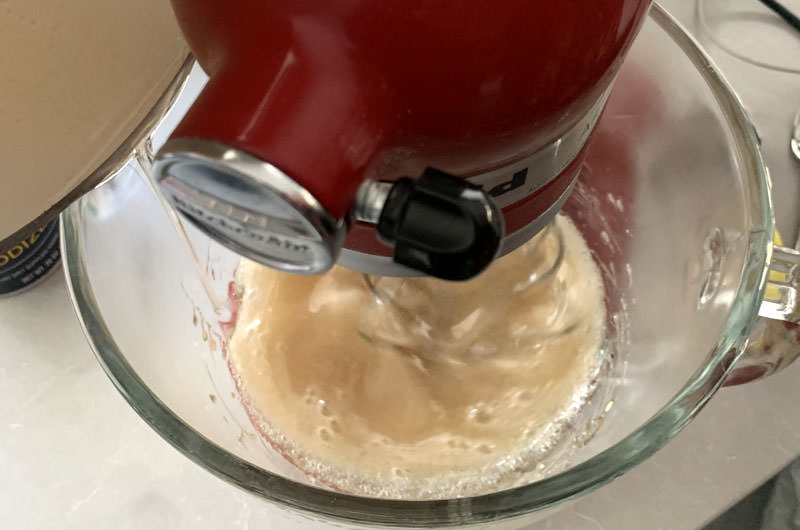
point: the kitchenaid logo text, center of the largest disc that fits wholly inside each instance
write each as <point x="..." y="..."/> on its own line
<point x="515" y="182"/>
<point x="518" y="180"/>
<point x="17" y="250"/>
<point x="511" y="184"/>
<point x="227" y="226"/>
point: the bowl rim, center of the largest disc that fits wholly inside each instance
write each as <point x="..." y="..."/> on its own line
<point x="582" y="478"/>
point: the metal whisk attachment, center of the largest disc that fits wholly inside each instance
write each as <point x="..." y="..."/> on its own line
<point x="519" y="302"/>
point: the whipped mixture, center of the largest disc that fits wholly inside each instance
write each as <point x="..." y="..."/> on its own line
<point x="76" y="77"/>
<point x="420" y="388"/>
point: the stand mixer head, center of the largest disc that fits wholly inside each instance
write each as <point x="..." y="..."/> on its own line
<point x="394" y="138"/>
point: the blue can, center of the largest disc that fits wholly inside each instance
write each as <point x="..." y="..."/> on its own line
<point x="30" y="259"/>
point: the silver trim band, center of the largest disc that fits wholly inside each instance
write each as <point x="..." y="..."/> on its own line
<point x="384" y="265"/>
<point x="506" y="185"/>
<point x="512" y="183"/>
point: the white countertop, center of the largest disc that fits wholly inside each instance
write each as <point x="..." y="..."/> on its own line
<point x="74" y="455"/>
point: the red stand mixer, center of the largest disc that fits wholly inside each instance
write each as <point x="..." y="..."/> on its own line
<point x="391" y="137"/>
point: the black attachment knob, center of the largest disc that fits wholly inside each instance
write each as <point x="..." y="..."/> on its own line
<point x="441" y="225"/>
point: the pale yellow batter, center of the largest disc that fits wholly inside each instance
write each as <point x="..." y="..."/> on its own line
<point x="426" y="387"/>
<point x="76" y="77"/>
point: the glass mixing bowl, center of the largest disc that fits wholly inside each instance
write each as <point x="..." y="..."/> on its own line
<point x="674" y="203"/>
